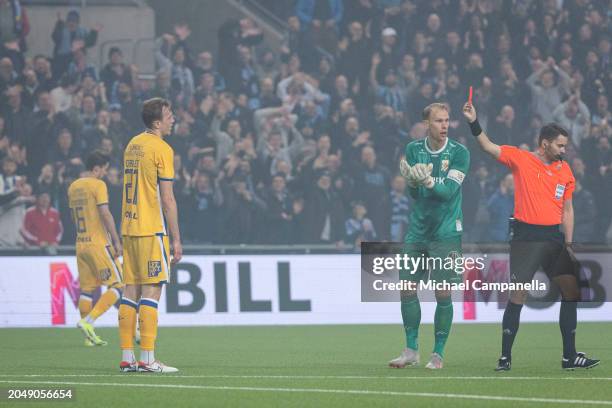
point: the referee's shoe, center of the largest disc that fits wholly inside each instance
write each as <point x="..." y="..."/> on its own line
<point x="580" y="361"/>
<point x="503" y="364"/>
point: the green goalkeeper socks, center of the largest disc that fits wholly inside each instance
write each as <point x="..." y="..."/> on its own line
<point x="443" y="319"/>
<point x="411" y="316"/>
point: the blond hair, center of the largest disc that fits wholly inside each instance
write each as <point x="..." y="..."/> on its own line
<point x="430" y="107"/>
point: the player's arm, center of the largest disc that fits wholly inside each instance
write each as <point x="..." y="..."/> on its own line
<point x="109" y="223"/>
<point x="454" y="179"/>
<point x="481" y="137"/>
<point x="567" y="220"/>
<point x="171" y="213"/>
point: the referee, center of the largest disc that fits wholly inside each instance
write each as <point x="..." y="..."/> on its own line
<point x="542" y="231"/>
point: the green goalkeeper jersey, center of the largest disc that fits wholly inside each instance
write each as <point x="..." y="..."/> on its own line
<point x="436" y="214"/>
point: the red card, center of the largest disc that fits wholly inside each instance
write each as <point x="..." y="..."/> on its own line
<point x="470" y="96"/>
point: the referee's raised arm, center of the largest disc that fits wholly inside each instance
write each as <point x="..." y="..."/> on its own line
<point x="483" y="140"/>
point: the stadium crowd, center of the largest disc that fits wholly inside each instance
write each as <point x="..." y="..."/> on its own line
<point x="301" y="144"/>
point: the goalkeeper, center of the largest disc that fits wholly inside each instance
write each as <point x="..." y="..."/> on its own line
<point x="434" y="168"/>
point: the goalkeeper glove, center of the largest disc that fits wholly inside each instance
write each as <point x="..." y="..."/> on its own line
<point x="428" y="181"/>
<point x="407" y="173"/>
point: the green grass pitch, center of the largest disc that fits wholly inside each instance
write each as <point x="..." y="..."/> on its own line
<point x="311" y="366"/>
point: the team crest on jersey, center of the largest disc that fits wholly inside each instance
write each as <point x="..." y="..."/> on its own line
<point x="105" y="274"/>
<point x="444" y="165"/>
<point x="154" y="269"/>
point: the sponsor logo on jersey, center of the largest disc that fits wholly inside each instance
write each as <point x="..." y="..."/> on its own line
<point x="155" y="269"/>
<point x="559" y="191"/>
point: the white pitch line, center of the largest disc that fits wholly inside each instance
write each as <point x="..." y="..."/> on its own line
<point x="319" y="377"/>
<point x="325" y="391"/>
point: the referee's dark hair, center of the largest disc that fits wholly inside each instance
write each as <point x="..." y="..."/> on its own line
<point x="550" y="132"/>
<point x="152" y="110"/>
<point x="97" y="158"/>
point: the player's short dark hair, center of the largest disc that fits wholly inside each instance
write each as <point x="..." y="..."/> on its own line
<point x="97" y="158"/>
<point x="152" y="110"/>
<point x="114" y="50"/>
<point x="550" y="132"/>
<point x="430" y="107"/>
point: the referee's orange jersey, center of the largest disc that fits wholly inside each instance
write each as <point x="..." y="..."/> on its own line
<point x="539" y="189"/>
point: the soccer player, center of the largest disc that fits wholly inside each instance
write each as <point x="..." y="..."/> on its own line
<point x="149" y="214"/>
<point x="434" y="168"/>
<point x="542" y="231"/>
<point x="96" y="254"/>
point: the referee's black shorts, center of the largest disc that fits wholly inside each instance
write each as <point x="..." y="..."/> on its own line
<point x="535" y="246"/>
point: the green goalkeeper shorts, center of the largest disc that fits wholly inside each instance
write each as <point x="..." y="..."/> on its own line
<point x="435" y="260"/>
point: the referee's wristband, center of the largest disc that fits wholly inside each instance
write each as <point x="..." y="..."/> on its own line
<point x="475" y="128"/>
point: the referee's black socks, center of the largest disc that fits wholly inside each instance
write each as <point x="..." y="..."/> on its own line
<point x="567" y="323"/>
<point x="510" y="325"/>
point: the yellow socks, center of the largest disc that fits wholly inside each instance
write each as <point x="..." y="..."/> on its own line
<point x="147" y="318"/>
<point x="85" y="302"/>
<point x="127" y="323"/>
<point x="106" y="301"/>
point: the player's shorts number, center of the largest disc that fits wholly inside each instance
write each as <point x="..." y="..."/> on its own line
<point x="131" y="176"/>
<point x="79" y="219"/>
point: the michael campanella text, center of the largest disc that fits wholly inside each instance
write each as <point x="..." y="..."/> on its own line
<point x="463" y="286"/>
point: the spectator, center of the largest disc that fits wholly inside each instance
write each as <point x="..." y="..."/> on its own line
<point x="388" y="53"/>
<point x="546" y="93"/>
<point x="130" y="108"/>
<point x="325" y="215"/>
<point x="16" y="114"/>
<point x="354" y="48"/>
<point x="8" y="76"/>
<point x="64" y="153"/>
<point x="207" y="201"/>
<point x="602" y="112"/>
<point x="359" y="228"/>
<point x="48" y="182"/>
<point x="322" y="19"/>
<point x="44" y="74"/>
<point x="182" y="79"/>
<point x="372" y="182"/>
<point x="69" y="35"/>
<point x="242" y="208"/>
<point x="390" y="94"/>
<point x="505" y="131"/>
<point x="115" y="192"/>
<point x="79" y="66"/>
<point x="574" y="116"/>
<point x="400" y="209"/>
<point x="62" y="96"/>
<point x="113" y="73"/>
<point x="31" y="86"/>
<point x="14" y="28"/>
<point x="12" y="214"/>
<point x="279" y="214"/>
<point x="242" y="78"/>
<point x="476" y="192"/>
<point x="586" y="215"/>
<point x="204" y="65"/>
<point x="41" y="225"/>
<point x="232" y="34"/>
<point x="501" y="207"/>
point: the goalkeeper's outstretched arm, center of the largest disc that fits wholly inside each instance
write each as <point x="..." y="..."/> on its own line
<point x="483" y="140"/>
